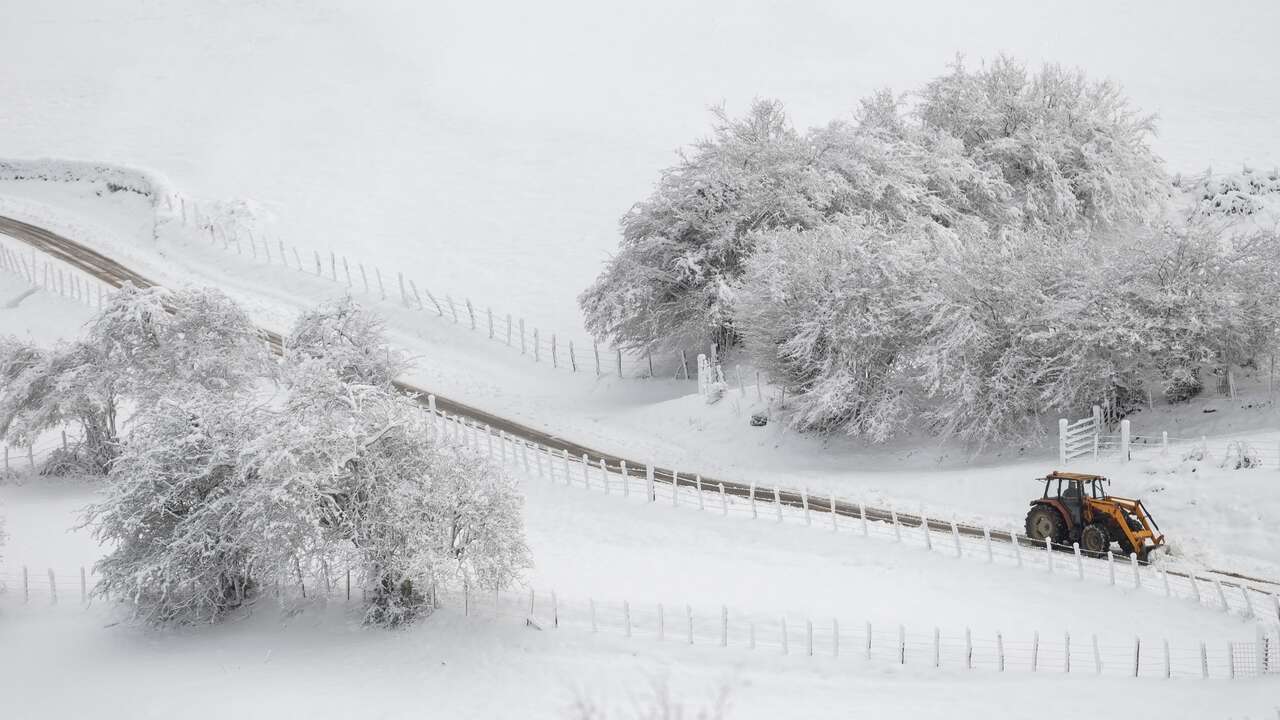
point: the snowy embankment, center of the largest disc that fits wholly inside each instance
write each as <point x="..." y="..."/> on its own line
<point x="1214" y="518"/>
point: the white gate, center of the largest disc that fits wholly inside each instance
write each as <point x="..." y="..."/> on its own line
<point x="1079" y="438"/>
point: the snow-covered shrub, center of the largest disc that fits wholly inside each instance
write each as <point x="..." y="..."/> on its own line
<point x="682" y="248"/>
<point x="1241" y="455"/>
<point x="142" y="347"/>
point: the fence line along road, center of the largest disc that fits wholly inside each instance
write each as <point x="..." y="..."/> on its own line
<point x="115" y="274"/>
<point x="783" y="633"/>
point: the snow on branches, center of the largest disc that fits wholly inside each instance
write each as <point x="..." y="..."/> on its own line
<point x="143" y="346"/>
<point x="220" y="496"/>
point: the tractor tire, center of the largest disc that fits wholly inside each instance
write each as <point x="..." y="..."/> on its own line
<point x="1045" y="522"/>
<point x="1095" y="540"/>
<point x="1126" y="547"/>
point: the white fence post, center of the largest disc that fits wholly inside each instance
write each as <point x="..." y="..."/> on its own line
<point x="626" y="616"/>
<point x="1097" y="656"/>
<point x="1000" y="650"/>
<point x="804" y="500"/>
<point x="1048" y="554"/>
<point x="53" y="589"/>
<point x="937" y="647"/>
<point x="924" y="528"/>
<point x="835" y="637"/>
<point x="955" y="536"/>
<point x="1133" y="563"/>
<point x="1062" y="441"/>
<point x="777" y="502"/>
<point x="1111" y="567"/>
<point x="1017" y="547"/>
<point x="724" y="501"/>
<point x="1035" y="651"/>
<point x="862" y="516"/>
<point x="648" y="477"/>
<point x="808" y="637"/>
<point x="1222" y="596"/>
<point x="1075" y="548"/>
<point x="1124" y="441"/>
<point x="968" y="649"/>
<point x="902" y="644"/>
<point x="662" y="624"/>
<point x="986" y="539"/>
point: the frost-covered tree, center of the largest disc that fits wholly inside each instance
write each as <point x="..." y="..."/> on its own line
<point x="683" y="247"/>
<point x="143" y="346"/>
<point x="217" y="496"/>
<point x="1073" y="152"/>
<point x="345" y="341"/>
<point x="827" y="312"/>
<point x="173" y="512"/>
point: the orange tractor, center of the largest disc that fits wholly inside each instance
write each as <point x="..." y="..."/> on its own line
<point x="1076" y="508"/>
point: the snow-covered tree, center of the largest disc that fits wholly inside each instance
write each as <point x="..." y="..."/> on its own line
<point x="827" y="313"/>
<point x="345" y="341"/>
<point x="143" y="346"/>
<point x="1073" y="152"/>
<point x="217" y="496"/>
<point x="173" y="512"/>
<point x="683" y="247"/>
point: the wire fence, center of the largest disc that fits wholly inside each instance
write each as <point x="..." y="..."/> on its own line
<point x="828" y="638"/>
<point x="557" y="349"/>
<point x="1006" y="546"/>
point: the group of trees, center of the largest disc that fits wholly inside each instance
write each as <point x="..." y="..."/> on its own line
<point x="996" y="247"/>
<point x="239" y="474"/>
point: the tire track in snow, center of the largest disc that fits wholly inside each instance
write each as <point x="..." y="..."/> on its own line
<point x="116" y="274"/>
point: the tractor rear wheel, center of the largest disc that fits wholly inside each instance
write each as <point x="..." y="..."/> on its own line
<point x="1045" y="522"/>
<point x="1094" y="540"/>
<point x="1127" y="548"/>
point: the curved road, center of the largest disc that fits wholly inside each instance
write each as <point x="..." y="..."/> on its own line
<point x="115" y="274"/>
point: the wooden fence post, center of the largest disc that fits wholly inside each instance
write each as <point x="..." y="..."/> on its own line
<point x="751" y="493"/>
<point x="804" y="501"/>
<point x="573" y="357"/>
<point x="586" y="468"/>
<point x="523" y="348"/>
<point x="363" y="275"/>
<point x="346" y="269"/>
<point x="832" y="508"/>
<point x="1000" y="650"/>
<point x="382" y="289"/>
<point x="1066" y="652"/>
<point x="924" y="528"/>
<point x="1111" y="567"/>
<point x="595" y="347"/>
<point x="619" y="363"/>
<point x="897" y="529"/>
<point x="968" y="649"/>
<point x="724" y="626"/>
<point x="84" y="587"/>
<point x="662" y="630"/>
<point x="26" y="586"/>
<point x="808" y="637"/>
<point x="555" y="360"/>
<point x="1097" y="656"/>
<point x="471" y="313"/>
<point x="1222" y="596"/>
<point x="986" y="539"/>
<point x="53" y="589"/>
<point x="489" y="312"/>
<point x="786" y="649"/>
<point x="1035" y="650"/>
<point x="626" y="616"/>
<point x="862" y="516"/>
<point x="902" y="644"/>
<point x="509" y="332"/>
<point x="955" y="537"/>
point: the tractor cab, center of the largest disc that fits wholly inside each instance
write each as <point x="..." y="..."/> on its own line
<point x="1076" y="508"/>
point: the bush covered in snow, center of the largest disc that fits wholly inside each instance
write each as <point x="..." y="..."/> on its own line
<point x="217" y="497"/>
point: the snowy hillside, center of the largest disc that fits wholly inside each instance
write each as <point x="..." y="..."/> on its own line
<point x="301" y="416"/>
<point x="493" y="146"/>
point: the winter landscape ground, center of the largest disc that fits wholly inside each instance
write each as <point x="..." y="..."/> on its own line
<point x="293" y="155"/>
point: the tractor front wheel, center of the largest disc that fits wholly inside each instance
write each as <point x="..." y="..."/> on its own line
<point x="1094" y="540"/>
<point x="1045" y="522"/>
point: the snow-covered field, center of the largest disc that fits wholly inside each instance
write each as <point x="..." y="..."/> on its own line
<point x="1215" y="518"/>
<point x="492" y="146"/>
<point x="587" y="545"/>
<point x="486" y="150"/>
